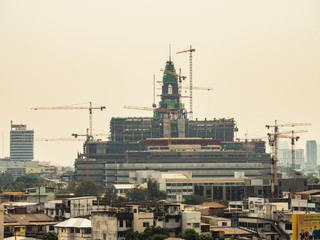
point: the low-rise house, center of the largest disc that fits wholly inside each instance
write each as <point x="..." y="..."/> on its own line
<point x="70" y="207"/>
<point x="40" y="195"/>
<point x="191" y="219"/>
<point x="121" y="189"/>
<point x="13" y="197"/>
<point x="216" y="221"/>
<point x="74" y="228"/>
<point x="20" y="207"/>
<point x="114" y="222"/>
<point x="306" y="201"/>
<point x="28" y="225"/>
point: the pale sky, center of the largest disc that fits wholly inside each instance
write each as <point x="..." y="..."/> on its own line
<point x="262" y="58"/>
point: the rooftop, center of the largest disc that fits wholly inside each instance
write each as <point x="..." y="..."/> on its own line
<point x="213" y="205"/>
<point x="28" y="219"/>
<point x="75" y="223"/>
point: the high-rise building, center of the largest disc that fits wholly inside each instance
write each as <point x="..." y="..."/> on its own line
<point x="311" y="152"/>
<point x="21" y="143"/>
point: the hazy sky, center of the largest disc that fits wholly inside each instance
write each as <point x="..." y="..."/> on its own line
<point x="262" y="58"/>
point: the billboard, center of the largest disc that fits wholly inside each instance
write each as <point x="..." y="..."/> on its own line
<point x="305" y="226"/>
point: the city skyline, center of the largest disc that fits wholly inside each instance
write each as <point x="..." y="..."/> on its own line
<point x="262" y="60"/>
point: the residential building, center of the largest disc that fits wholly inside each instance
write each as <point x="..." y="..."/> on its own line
<point x="21" y="143"/>
<point x="191" y="219"/>
<point x="40" y="195"/>
<point x="74" y="229"/>
<point x="28" y="225"/>
<point x="70" y="207"/>
<point x="113" y="222"/>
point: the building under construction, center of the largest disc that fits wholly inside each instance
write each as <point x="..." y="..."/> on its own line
<point x="169" y="141"/>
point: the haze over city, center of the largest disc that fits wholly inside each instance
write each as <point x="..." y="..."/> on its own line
<point x="262" y="59"/>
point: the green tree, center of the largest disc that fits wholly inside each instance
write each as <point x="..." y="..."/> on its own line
<point x="312" y="179"/>
<point x="205" y="237"/>
<point x="149" y="233"/>
<point x="194" y="199"/>
<point x="190" y="234"/>
<point x="7" y="178"/>
<point x="50" y="236"/>
<point x="154" y="192"/>
<point x="137" y="194"/>
<point x="88" y="188"/>
<point x="131" y="235"/>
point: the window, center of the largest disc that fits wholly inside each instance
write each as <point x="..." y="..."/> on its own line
<point x="71" y="230"/>
<point x="224" y="224"/>
<point x="104" y="236"/>
<point x="288" y="226"/>
<point x="78" y="230"/>
<point x="177" y="220"/>
<point x="120" y="223"/>
<point x="196" y="225"/>
<point x="146" y="224"/>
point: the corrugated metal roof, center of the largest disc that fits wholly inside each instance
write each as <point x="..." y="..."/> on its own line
<point x="26" y="219"/>
<point x="75" y="223"/>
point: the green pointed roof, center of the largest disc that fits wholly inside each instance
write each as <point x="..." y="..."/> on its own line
<point x="169" y="77"/>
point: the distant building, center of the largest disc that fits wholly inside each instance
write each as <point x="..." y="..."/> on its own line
<point x="285" y="158"/>
<point x="311" y="152"/>
<point x="21" y="143"/>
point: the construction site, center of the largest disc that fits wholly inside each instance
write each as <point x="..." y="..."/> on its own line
<point x="171" y="141"/>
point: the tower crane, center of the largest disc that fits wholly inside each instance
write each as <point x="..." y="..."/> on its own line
<point x="190" y="50"/>
<point x="163" y="110"/>
<point x="273" y="142"/>
<point x="80" y="106"/>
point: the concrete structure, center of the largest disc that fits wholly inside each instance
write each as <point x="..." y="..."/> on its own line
<point x="311" y="152"/>
<point x="216" y="221"/>
<point x="202" y="159"/>
<point x="114" y="222"/>
<point x="21" y="143"/>
<point x="74" y="228"/>
<point x="191" y="219"/>
<point x="70" y="207"/>
<point x="40" y="195"/>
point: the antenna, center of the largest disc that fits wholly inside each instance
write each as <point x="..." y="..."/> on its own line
<point x="2" y="144"/>
<point x="154" y="91"/>
<point x="170" y="52"/>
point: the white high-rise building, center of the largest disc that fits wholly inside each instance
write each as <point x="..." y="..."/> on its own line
<point x="311" y="152"/>
<point x="21" y="143"/>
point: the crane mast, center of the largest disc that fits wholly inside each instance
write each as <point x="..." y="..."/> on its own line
<point x="190" y="50"/>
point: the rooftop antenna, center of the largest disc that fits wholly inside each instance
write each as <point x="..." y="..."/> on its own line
<point x="154" y="91"/>
<point x="170" y="52"/>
